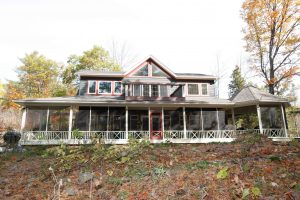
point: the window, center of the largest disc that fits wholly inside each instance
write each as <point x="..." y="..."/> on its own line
<point x="104" y="87"/>
<point x="118" y="88"/>
<point x="163" y="91"/>
<point x="154" y="91"/>
<point x="193" y="89"/>
<point x="146" y="90"/>
<point x="204" y="89"/>
<point x="156" y="71"/>
<point x="136" y="90"/>
<point x="142" y="71"/>
<point x="92" y="87"/>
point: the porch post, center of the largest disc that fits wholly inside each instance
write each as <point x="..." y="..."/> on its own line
<point x="233" y="118"/>
<point x="47" y="119"/>
<point x="202" y="125"/>
<point x="126" y="123"/>
<point x="107" y="122"/>
<point x="149" y="121"/>
<point x="184" y="124"/>
<point x="284" y="120"/>
<point x="70" y="123"/>
<point x="259" y="119"/>
<point x="163" y="122"/>
<point x="23" y="122"/>
<point x="218" y="121"/>
<point x="90" y="119"/>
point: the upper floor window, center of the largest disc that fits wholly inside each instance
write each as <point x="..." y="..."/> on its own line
<point x="154" y="90"/>
<point x="156" y="71"/>
<point x="193" y="89"/>
<point x="104" y="87"/>
<point x="204" y="87"/>
<point x="146" y="90"/>
<point x="92" y="87"/>
<point x="142" y="71"/>
<point x="118" y="87"/>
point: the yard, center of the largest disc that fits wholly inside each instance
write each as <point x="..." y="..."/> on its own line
<point x="253" y="167"/>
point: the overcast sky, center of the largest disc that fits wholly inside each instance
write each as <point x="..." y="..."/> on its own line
<point x="185" y="35"/>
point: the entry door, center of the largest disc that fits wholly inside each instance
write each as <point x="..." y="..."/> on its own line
<point x="156" y="126"/>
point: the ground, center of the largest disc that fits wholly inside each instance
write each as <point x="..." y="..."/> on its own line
<point x="254" y="167"/>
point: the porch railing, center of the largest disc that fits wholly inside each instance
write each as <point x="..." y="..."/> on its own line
<point x="121" y="136"/>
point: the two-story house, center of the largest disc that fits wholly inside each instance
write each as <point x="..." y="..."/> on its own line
<point x="152" y="102"/>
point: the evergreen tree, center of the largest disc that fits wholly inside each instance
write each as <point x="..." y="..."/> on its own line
<point x="237" y="82"/>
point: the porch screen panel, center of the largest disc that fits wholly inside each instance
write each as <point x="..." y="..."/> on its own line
<point x="271" y="117"/>
<point x="222" y="122"/>
<point x="193" y="119"/>
<point x="82" y="118"/>
<point x="173" y="119"/>
<point x="99" y="118"/>
<point x="116" y="119"/>
<point x="210" y="121"/>
<point x="36" y="119"/>
<point x="138" y="120"/>
<point x="58" y="118"/>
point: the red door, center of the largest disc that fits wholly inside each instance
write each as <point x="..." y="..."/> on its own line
<point x="156" y="126"/>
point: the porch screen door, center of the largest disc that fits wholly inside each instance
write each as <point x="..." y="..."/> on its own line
<point x="156" y="126"/>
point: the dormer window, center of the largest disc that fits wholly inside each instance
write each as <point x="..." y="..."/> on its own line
<point x="204" y="87"/>
<point x="92" y="87"/>
<point x="104" y="87"/>
<point x="144" y="71"/>
<point x="193" y="89"/>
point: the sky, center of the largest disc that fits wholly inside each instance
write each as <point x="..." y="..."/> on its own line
<point x="186" y="35"/>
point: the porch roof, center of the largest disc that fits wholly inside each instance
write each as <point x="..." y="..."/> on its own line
<point x="119" y="101"/>
<point x="251" y="95"/>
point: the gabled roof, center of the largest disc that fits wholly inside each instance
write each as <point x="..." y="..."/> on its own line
<point x="252" y="95"/>
<point x="180" y="76"/>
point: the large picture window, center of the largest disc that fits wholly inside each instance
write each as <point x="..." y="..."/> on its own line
<point x="118" y="87"/>
<point x="92" y="87"/>
<point x="104" y="87"/>
<point x="193" y="89"/>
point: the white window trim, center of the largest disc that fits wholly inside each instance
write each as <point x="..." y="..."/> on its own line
<point x="115" y="87"/>
<point x="187" y="88"/>
<point x="89" y="86"/>
<point x="199" y="89"/>
<point x="206" y="88"/>
<point x="111" y="85"/>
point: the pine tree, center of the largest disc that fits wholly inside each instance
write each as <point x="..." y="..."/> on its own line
<point x="237" y="82"/>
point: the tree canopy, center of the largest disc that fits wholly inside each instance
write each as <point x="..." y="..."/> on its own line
<point x="96" y="58"/>
<point x="272" y="36"/>
<point x="237" y="82"/>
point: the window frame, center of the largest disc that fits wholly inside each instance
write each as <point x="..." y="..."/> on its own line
<point x="117" y="93"/>
<point x="88" y="90"/>
<point x="111" y="85"/>
<point x="197" y="88"/>
<point x="206" y="89"/>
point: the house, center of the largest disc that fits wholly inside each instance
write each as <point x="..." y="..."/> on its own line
<point x="151" y="102"/>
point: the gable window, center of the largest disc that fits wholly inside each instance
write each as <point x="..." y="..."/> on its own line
<point x="204" y="89"/>
<point x="104" y="87"/>
<point x="193" y="89"/>
<point x="118" y="87"/>
<point x="142" y="71"/>
<point x="156" y="71"/>
<point x="92" y="87"/>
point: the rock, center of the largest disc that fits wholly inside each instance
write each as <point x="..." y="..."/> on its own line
<point x="274" y="184"/>
<point x="98" y="183"/>
<point x="124" y="154"/>
<point x="85" y="177"/>
<point x="70" y="191"/>
<point x="180" y="192"/>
